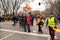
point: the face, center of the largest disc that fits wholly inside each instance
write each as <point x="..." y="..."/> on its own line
<point x="23" y="14"/>
<point x="28" y="15"/>
<point x="50" y="15"/>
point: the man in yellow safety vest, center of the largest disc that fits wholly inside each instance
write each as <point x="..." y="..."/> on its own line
<point x="51" y="22"/>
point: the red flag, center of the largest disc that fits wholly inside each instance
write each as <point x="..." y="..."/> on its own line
<point x="27" y="7"/>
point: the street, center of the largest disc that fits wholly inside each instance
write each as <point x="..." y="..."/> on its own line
<point x="9" y="32"/>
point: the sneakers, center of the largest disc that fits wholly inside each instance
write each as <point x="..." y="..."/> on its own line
<point x="29" y="31"/>
<point x="24" y="30"/>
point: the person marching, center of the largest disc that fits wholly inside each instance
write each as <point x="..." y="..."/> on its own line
<point x="20" y="20"/>
<point x="51" y="22"/>
<point x="40" y="22"/>
<point x="28" y="22"/>
<point x="15" y="20"/>
<point x="23" y="22"/>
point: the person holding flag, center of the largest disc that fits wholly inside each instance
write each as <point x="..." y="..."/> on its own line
<point x="51" y="23"/>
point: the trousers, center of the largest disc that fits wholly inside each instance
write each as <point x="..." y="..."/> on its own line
<point x="52" y="33"/>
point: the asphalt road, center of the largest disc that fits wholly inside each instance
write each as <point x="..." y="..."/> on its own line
<point x="9" y="32"/>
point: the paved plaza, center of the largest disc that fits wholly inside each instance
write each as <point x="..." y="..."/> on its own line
<point x="9" y="32"/>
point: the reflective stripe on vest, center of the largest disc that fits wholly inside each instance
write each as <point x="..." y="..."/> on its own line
<point x="51" y="22"/>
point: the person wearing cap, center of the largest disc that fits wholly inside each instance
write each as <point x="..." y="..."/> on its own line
<point x="51" y="22"/>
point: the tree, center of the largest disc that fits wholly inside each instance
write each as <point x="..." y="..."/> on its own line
<point x="52" y="4"/>
<point x="10" y="6"/>
<point x="58" y="7"/>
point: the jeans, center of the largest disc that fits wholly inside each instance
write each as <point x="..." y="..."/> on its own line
<point x="32" y="22"/>
<point x="20" y="24"/>
<point x="28" y="27"/>
<point x="24" y="27"/>
<point x="39" y="28"/>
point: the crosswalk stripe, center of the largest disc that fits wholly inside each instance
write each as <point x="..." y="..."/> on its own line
<point x="33" y="34"/>
<point x="7" y="36"/>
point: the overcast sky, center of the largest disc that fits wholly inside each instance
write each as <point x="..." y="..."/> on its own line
<point x="35" y="5"/>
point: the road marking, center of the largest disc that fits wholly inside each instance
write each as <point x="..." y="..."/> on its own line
<point x="33" y="34"/>
<point x="42" y="35"/>
<point x="7" y="36"/>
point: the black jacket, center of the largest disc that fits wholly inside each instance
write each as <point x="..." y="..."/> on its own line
<point x="23" y="20"/>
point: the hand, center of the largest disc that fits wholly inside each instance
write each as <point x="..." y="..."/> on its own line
<point x="55" y="27"/>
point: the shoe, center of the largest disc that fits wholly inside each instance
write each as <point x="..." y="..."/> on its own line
<point x="24" y="30"/>
<point x="40" y="32"/>
<point x="29" y="31"/>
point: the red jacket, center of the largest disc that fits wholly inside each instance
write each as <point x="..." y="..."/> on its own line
<point x="28" y="20"/>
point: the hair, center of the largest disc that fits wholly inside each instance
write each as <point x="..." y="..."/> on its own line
<point x="51" y="13"/>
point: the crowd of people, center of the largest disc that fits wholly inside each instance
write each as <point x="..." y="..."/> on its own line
<point x="26" y="21"/>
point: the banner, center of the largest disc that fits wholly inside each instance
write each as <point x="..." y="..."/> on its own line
<point x="28" y="8"/>
<point x="56" y="29"/>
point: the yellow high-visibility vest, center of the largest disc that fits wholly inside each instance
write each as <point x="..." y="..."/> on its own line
<point x="51" y="22"/>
